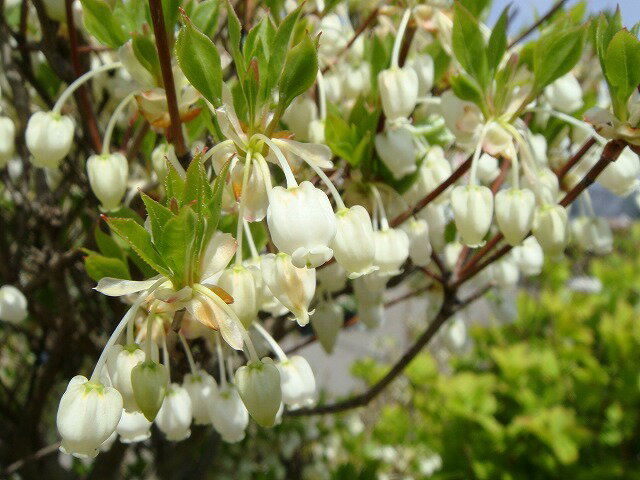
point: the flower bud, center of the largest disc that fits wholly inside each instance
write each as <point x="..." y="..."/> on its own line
<point x="529" y="257"/>
<point x="550" y="228"/>
<point x="108" y="174"/>
<point x="332" y="277"/>
<point x="620" y="177"/>
<point x="514" y="209"/>
<point x="159" y="157"/>
<point x="228" y="414"/>
<point x="423" y="65"/>
<point x="437" y="221"/>
<point x="132" y="65"/>
<point x="7" y="140"/>
<point x="396" y="149"/>
<point x="302" y="223"/>
<point x="13" y="304"/>
<point x="452" y="252"/>
<point x="419" y="245"/>
<point x="239" y="282"/>
<point x="258" y="384"/>
<point x="398" y="91"/>
<point x="297" y="381"/>
<point x="120" y="362"/>
<point x="565" y="94"/>
<point x="87" y="415"/>
<point x="593" y="234"/>
<point x="292" y="286"/>
<point x="133" y="427"/>
<point x="353" y="245"/>
<point x="174" y="417"/>
<point x="472" y="210"/>
<point x="200" y="386"/>
<point x="327" y="322"/>
<point x="392" y="250"/>
<point x="48" y="137"/>
<point x="149" y="381"/>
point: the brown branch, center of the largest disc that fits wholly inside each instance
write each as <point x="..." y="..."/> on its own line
<point x="164" y="54"/>
<point x="43" y="452"/>
<point x="82" y="94"/>
<point x="450" y="305"/>
<point x="562" y="171"/>
<point x="535" y="26"/>
<point x="459" y="172"/>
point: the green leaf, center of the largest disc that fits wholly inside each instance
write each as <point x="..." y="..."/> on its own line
<point x="159" y="215"/>
<point x="476" y="7"/>
<point x="622" y="62"/>
<point x="100" y="21"/>
<point x="174" y="184"/>
<point x="170" y="10"/>
<point x="466" y="89"/>
<point x="98" y="266"/>
<point x="235" y="31"/>
<point x="107" y="245"/>
<point x="197" y="190"/>
<point x="205" y="16"/>
<point x="140" y="241"/>
<point x="498" y="41"/>
<point x="299" y="73"/>
<point x="215" y="204"/>
<point x="199" y="60"/>
<point x="145" y="51"/>
<point x="555" y="54"/>
<point x="468" y="45"/>
<point x="175" y="242"/>
<point x="279" y="48"/>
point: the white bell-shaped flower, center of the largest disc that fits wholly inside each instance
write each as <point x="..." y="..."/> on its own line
<point x="239" y="282"/>
<point x="437" y="220"/>
<point x="316" y="131"/>
<point x="529" y="256"/>
<point x="331" y="277"/>
<point x="371" y="316"/>
<point x="565" y="94"/>
<point x="133" y="427"/>
<point x="398" y="91"/>
<point x="87" y="416"/>
<point x="174" y="417"/>
<point x="419" y="243"/>
<point x="368" y="292"/>
<point x="327" y="322"/>
<point x="550" y="228"/>
<point x="159" y="157"/>
<point x="356" y="80"/>
<point x="256" y="200"/>
<point x="514" y="209"/>
<point x="435" y="169"/>
<point x="120" y="362"/>
<point x="544" y="184"/>
<point x="228" y="414"/>
<point x="353" y="245"/>
<point x="134" y="68"/>
<point x="424" y="67"/>
<point x="299" y="116"/>
<point x="505" y="272"/>
<point x="396" y="148"/>
<point x="392" y="250"/>
<point x="149" y="380"/>
<point x="593" y="234"/>
<point x="49" y="136"/>
<point x="258" y="384"/>
<point x="13" y="304"/>
<point x="108" y="174"/>
<point x="7" y="140"/>
<point x="463" y="118"/>
<point x="297" y="381"/>
<point x="302" y="223"/>
<point x="292" y="286"/>
<point x="452" y="253"/>
<point x="620" y="177"/>
<point x="488" y="169"/>
<point x="201" y="388"/>
<point x="472" y="211"/>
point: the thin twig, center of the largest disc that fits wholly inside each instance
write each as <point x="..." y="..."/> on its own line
<point x="535" y="26"/>
<point x="164" y="54"/>
<point x="562" y="171"/>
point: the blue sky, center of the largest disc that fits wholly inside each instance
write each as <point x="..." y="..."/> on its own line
<point x="527" y="9"/>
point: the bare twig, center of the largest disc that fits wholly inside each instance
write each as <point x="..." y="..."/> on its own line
<point x="535" y="26"/>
